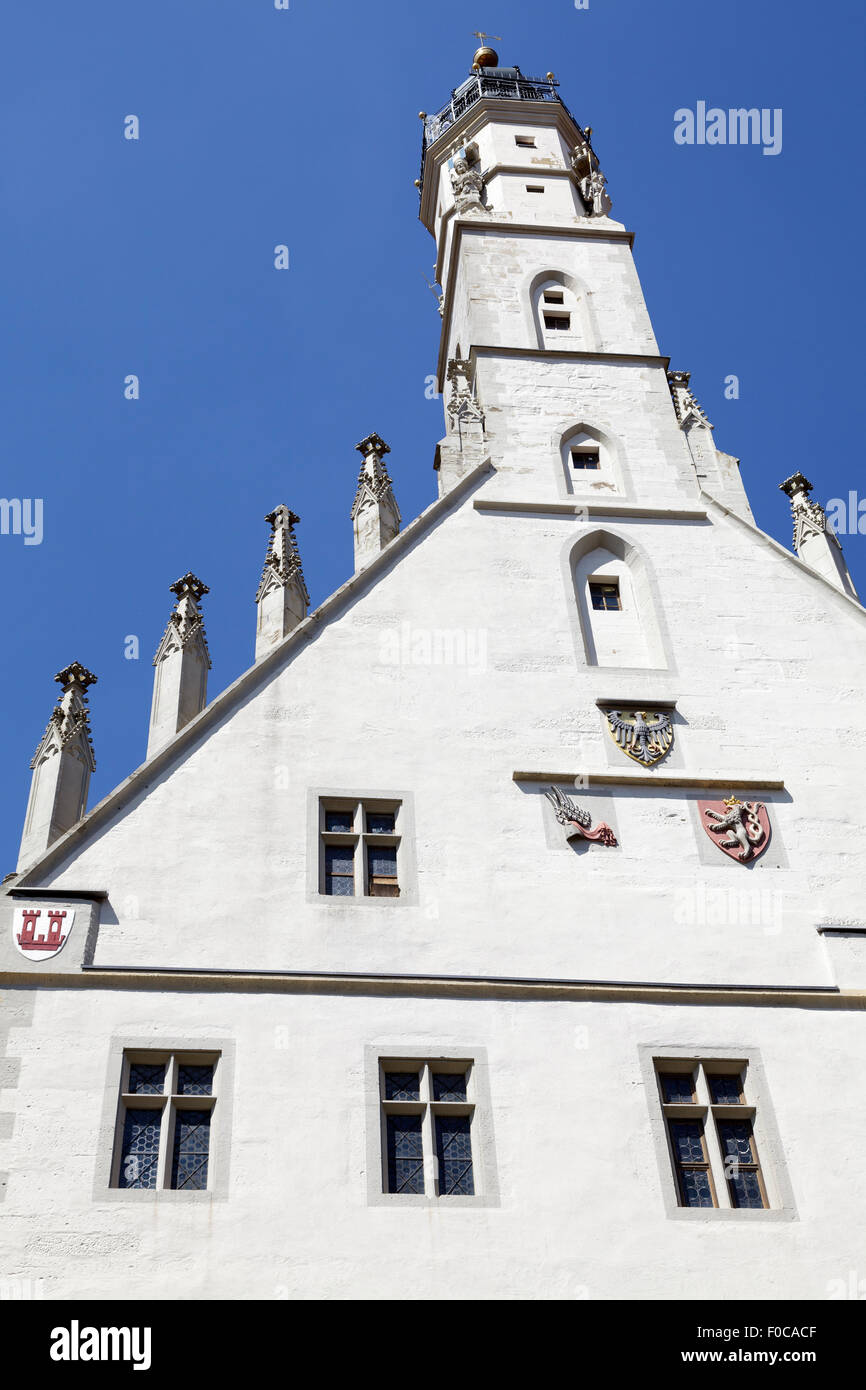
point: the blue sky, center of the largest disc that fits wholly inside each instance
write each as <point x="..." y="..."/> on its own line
<point x="260" y="127"/>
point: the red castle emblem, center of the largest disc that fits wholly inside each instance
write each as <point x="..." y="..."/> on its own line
<point x="40" y="933"/>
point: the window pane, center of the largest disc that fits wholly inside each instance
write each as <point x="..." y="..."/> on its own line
<point x="677" y="1089"/>
<point x="687" y="1140"/>
<point x="338" y="820"/>
<point x="380" y="822"/>
<point x="139" y="1154"/>
<point x="195" y="1081"/>
<point x="735" y="1137"/>
<point x="191" y="1145"/>
<point x="449" y="1085"/>
<point x="382" y="861"/>
<point x="725" y="1090"/>
<point x="339" y="871"/>
<point x="454" y="1149"/>
<point x="402" y="1085"/>
<point x="696" y="1188"/>
<point x="405" y="1154"/>
<point x="746" y="1189"/>
<point x="146" y="1079"/>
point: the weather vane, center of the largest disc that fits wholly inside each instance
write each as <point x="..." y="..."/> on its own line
<point x="497" y="38"/>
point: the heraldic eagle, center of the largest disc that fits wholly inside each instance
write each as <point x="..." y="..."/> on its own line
<point x="644" y="741"/>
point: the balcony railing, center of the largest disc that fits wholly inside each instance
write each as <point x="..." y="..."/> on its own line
<point x="482" y="84"/>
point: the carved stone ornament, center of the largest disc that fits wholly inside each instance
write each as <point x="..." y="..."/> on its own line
<point x="467" y="180"/>
<point x="462" y="403"/>
<point x="38" y="933"/>
<point x="745" y="824"/>
<point x="576" y="822"/>
<point x="645" y="736"/>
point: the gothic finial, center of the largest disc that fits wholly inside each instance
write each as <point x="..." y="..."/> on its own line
<point x="188" y="584"/>
<point x="76" y="675"/>
<point x="685" y="404"/>
<point x="282" y="597"/>
<point x="375" y="514"/>
<point x="815" y="542"/>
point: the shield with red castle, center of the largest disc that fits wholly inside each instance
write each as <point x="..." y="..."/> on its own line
<point x="40" y="932"/>
<point x="740" y="829"/>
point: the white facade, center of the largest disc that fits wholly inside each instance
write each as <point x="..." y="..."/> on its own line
<point x="459" y="674"/>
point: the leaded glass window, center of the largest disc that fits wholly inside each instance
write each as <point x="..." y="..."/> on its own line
<point x="139" y="1157"/>
<point x="405" y="1154"/>
<point x="146" y="1080"/>
<point x="162" y="1141"/>
<point x="428" y="1117"/>
<point x="360" y="854"/>
<point x="713" y="1151"/>
<point x="725" y="1089"/>
<point x="191" y="1148"/>
<point x="454" y="1151"/>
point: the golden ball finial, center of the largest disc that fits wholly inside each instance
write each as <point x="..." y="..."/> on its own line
<point x="422" y="115"/>
<point x="485" y="57"/>
<point x="551" y="77"/>
<point x="417" y="183"/>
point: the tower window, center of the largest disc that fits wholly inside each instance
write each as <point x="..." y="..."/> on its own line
<point x="534" y="188"/>
<point x="554" y="297"/>
<point x="604" y="594"/>
<point x="526" y="142"/>
<point x="585" y="458"/>
<point x="558" y="322"/>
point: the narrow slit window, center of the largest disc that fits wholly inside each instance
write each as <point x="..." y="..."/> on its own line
<point x="604" y="594"/>
<point x="554" y="296"/>
<point x="558" y="322"/>
<point x="535" y="188"/>
<point x="526" y="142"/>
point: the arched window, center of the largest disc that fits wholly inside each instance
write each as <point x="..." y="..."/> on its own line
<point x="616" y="604"/>
<point x="561" y="313"/>
<point x="590" y="462"/>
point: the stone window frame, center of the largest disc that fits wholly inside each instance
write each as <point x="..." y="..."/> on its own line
<point x="174" y="1050"/>
<point x="762" y="1115"/>
<point x="406" y="1054"/>
<point x="320" y="799"/>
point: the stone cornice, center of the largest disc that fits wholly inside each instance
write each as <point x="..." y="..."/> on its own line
<point x="593" y="509"/>
<point x="651" y="779"/>
<point x="643" y="359"/>
<point x="306" y="631"/>
<point x="196" y="980"/>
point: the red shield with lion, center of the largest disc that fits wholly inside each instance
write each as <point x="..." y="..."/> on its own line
<point x="741" y="829"/>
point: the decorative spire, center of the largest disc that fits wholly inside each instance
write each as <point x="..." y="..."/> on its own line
<point x="282" y="597"/>
<point x="815" y="544"/>
<point x="685" y="404"/>
<point x="61" y="767"/>
<point x="182" y="662"/>
<point x="375" y="513"/>
<point x="69" y="727"/>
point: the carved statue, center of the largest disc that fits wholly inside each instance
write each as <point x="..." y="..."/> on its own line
<point x="576" y="821"/>
<point x="592" y="190"/>
<point x="467" y="180"/>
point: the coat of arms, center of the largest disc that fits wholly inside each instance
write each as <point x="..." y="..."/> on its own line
<point x="643" y="735"/>
<point x="745" y="825"/>
<point x="39" y="933"/>
<point x="577" y="823"/>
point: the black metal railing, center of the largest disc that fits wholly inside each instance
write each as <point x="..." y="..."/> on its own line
<point x="482" y="84"/>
